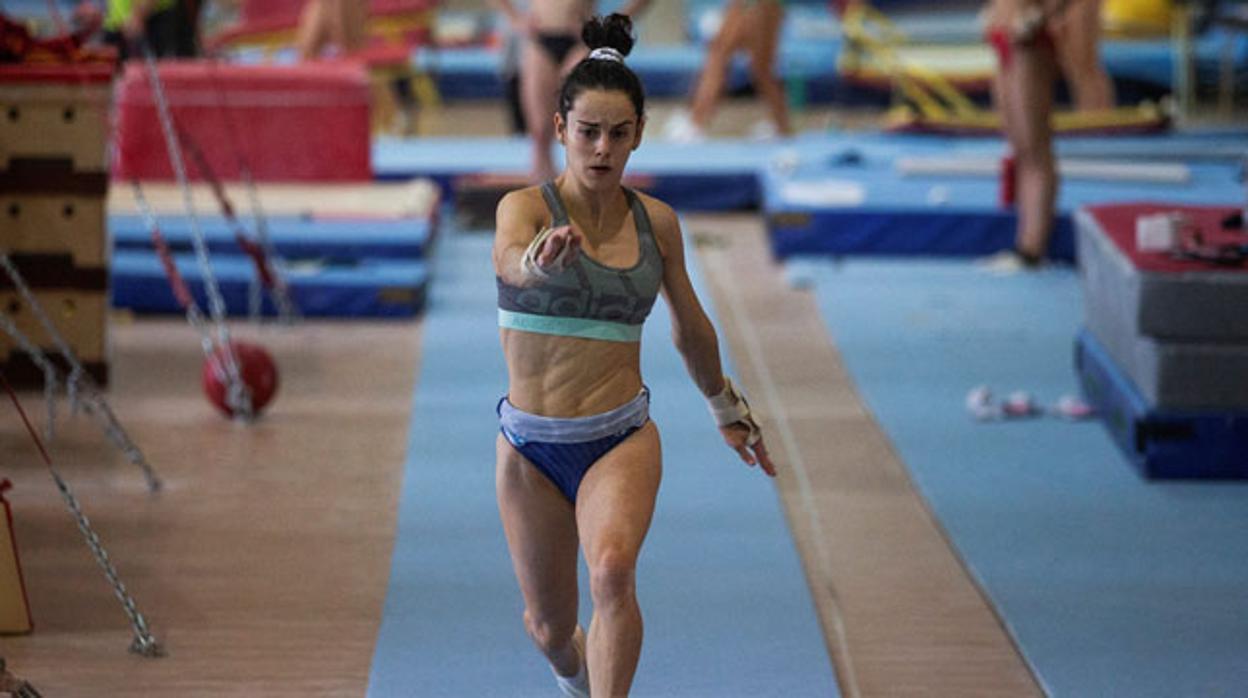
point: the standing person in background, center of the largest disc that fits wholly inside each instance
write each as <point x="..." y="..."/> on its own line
<point x="509" y="71"/>
<point x="551" y="45"/>
<point x="169" y="28"/>
<point x="1021" y="34"/>
<point x="331" y="25"/>
<point x="579" y="262"/>
<point x="753" y="26"/>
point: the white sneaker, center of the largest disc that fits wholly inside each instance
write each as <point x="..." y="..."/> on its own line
<point x="764" y="130"/>
<point x="681" y="129"/>
<point x="1006" y="263"/>
<point x="575" y="686"/>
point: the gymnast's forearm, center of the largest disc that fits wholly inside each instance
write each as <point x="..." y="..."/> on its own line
<point x="508" y="267"/>
<point x="699" y="346"/>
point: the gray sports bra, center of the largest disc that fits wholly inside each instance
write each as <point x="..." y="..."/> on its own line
<point x="588" y="299"/>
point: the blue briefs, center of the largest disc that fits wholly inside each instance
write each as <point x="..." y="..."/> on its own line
<point x="563" y="449"/>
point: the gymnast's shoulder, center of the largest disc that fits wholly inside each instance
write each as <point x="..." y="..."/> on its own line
<point x="663" y="221"/>
<point x="521" y="208"/>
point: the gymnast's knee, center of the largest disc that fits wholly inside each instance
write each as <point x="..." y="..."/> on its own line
<point x="612" y="579"/>
<point x="547" y="633"/>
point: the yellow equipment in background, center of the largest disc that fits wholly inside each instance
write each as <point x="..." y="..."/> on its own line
<point x="1136" y="18"/>
<point x="931" y="99"/>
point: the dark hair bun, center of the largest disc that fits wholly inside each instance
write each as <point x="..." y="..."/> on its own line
<point x="613" y="31"/>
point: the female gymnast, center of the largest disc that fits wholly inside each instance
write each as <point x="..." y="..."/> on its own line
<point x="580" y="260"/>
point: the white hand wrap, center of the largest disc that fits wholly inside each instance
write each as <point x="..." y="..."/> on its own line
<point x="529" y="265"/>
<point x="730" y="407"/>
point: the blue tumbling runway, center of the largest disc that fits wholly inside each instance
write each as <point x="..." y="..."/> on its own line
<point x="1112" y="585"/>
<point x="726" y="607"/>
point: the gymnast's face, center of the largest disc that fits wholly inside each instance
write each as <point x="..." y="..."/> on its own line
<point x="601" y="131"/>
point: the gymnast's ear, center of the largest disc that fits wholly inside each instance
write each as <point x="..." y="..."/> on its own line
<point x="561" y="129"/>
<point x="641" y="126"/>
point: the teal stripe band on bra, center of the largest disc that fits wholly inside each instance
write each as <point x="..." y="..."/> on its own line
<point x="570" y="326"/>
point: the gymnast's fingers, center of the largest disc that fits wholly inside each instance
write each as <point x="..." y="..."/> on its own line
<point x="764" y="458"/>
<point x="553" y="246"/>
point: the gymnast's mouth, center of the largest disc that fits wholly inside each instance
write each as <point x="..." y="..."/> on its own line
<point x="600" y="169"/>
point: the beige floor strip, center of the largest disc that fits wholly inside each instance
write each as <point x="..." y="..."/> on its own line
<point x="263" y="566"/>
<point x="414" y="198"/>
<point x="900" y="613"/>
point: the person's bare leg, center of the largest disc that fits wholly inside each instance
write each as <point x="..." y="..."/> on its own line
<point x="576" y="55"/>
<point x="541" y="534"/>
<point x="715" y="69"/>
<point x="350" y="27"/>
<point x="310" y="36"/>
<point x="1027" y="105"/>
<point x="539" y="78"/>
<point x="1078" y="53"/>
<point x="765" y="20"/>
<point x="613" y="511"/>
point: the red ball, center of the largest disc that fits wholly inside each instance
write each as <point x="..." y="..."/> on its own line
<point x="256" y="368"/>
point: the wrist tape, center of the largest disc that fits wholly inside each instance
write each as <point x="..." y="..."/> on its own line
<point x="729" y="407"/>
<point x="529" y="264"/>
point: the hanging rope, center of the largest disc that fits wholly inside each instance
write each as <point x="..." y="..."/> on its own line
<point x="144" y="643"/>
<point x="287" y="312"/>
<point x="267" y="274"/>
<point x="238" y="396"/>
<point x="41" y="361"/>
<point x="81" y="387"/>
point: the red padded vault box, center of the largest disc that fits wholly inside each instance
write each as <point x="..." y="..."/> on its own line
<point x="307" y="122"/>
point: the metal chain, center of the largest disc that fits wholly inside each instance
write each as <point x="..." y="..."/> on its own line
<point x="237" y="397"/>
<point x="287" y="311"/>
<point x="143" y="643"/>
<point x="193" y="314"/>
<point x="15" y="686"/>
<point x="44" y="364"/>
<point x="80" y="381"/>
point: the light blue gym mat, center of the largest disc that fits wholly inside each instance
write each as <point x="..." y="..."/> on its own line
<point x="726" y="607"/>
<point x="1112" y="586"/>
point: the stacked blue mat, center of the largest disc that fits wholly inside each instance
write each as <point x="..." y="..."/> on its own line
<point x="1164" y="350"/>
<point x="840" y="194"/>
<point x="333" y="267"/>
<point x="854" y="198"/>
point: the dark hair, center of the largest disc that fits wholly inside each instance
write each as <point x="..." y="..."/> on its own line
<point x="614" y="31"/>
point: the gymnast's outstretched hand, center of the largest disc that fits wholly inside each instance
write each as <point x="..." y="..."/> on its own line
<point x="738" y="435"/>
<point x="560" y="247"/>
